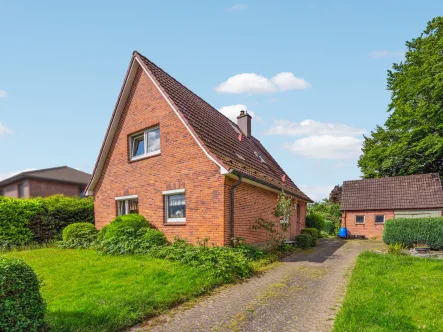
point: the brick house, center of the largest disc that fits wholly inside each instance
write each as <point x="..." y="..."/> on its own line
<point x="170" y="156"/>
<point x="367" y="204"/>
<point x="45" y="182"/>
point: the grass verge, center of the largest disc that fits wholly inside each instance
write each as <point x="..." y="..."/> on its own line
<point x="393" y="293"/>
<point x="86" y="291"/>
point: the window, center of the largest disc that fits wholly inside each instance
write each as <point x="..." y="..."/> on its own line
<point x="379" y="218"/>
<point x="81" y="191"/>
<point x="145" y="144"/>
<point x="359" y="219"/>
<point x="127" y="205"/>
<point x="21" y="190"/>
<point x="175" y="205"/>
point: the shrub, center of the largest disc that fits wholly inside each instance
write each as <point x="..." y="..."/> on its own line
<point x="155" y="237"/>
<point x="79" y="235"/>
<point x="329" y="227"/>
<point x="125" y="225"/>
<point x="414" y="231"/>
<point x="21" y="306"/>
<point x="313" y="232"/>
<point x="303" y="241"/>
<point x="315" y="220"/>
<point x="396" y="248"/>
<point x="101" y="233"/>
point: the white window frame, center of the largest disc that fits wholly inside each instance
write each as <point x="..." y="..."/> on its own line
<point x="126" y="200"/>
<point x="145" y="144"/>
<point x="378" y="222"/>
<point x="171" y="193"/>
<point x="360" y="223"/>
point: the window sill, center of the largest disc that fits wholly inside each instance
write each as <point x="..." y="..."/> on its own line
<point x="145" y="156"/>
<point x="359" y="223"/>
<point x="174" y="223"/>
<point x="379" y="223"/>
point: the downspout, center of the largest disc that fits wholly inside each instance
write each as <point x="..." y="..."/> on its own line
<point x="231" y="217"/>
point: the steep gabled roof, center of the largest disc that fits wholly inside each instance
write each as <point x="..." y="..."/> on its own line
<point x="216" y="134"/>
<point x="60" y="174"/>
<point x="399" y="192"/>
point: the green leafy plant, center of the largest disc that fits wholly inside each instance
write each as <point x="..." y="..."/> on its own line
<point x="283" y="210"/>
<point x="123" y="225"/>
<point x="315" y="220"/>
<point x="313" y="232"/>
<point x="396" y="248"/>
<point x="328" y="210"/>
<point x="21" y="306"/>
<point x="303" y="241"/>
<point x="412" y="231"/>
<point x="79" y="235"/>
<point x="275" y="238"/>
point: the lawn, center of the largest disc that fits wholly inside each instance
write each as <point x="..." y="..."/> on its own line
<point x="393" y="293"/>
<point x="86" y="291"/>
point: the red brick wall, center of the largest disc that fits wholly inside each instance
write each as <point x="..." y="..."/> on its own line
<point x="181" y="164"/>
<point x="48" y="188"/>
<point x="252" y="202"/>
<point x="11" y="190"/>
<point x="369" y="229"/>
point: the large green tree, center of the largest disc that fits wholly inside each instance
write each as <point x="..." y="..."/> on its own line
<point x="411" y="141"/>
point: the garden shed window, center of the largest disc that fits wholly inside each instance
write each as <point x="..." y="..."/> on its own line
<point x="175" y="205"/>
<point x="127" y="205"/>
<point x="145" y="144"/>
<point x="359" y="219"/>
<point x="379" y="218"/>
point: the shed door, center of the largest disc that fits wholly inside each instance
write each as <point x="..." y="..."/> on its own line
<point x="417" y="213"/>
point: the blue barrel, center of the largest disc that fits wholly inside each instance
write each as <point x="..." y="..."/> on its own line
<point x="343" y="232"/>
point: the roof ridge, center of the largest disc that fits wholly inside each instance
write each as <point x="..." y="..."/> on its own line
<point x="394" y="177"/>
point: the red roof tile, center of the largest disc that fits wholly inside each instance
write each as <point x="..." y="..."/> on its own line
<point x="220" y="135"/>
<point x="399" y="192"/>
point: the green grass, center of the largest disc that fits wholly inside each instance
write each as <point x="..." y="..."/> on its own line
<point x="86" y="291"/>
<point x="393" y="293"/>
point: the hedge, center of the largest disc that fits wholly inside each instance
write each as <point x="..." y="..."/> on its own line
<point x="23" y="221"/>
<point x="303" y="241"/>
<point x="315" y="220"/>
<point x="414" y="231"/>
<point x="313" y="232"/>
<point x="21" y="306"/>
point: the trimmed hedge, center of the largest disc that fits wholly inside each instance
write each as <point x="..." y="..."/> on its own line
<point x="412" y="231"/>
<point x="21" y="306"/>
<point x="313" y="232"/>
<point x="303" y="241"/>
<point x="315" y="220"/>
<point x="79" y="235"/>
<point x="121" y="225"/>
<point x="23" y="221"/>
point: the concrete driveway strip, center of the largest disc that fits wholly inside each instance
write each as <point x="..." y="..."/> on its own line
<point x="304" y="293"/>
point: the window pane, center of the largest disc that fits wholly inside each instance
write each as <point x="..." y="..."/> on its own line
<point x="380" y="218"/>
<point x="176" y="206"/>
<point x="138" y="146"/>
<point x="133" y="206"/>
<point x="121" y="208"/>
<point x="154" y="140"/>
<point x="359" y="219"/>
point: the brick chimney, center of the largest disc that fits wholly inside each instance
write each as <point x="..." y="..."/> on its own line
<point x="244" y="122"/>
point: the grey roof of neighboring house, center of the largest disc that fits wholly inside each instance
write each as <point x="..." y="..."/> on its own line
<point x="60" y="174"/>
<point x="399" y="192"/>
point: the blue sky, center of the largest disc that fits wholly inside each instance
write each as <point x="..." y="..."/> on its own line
<point x="62" y="66"/>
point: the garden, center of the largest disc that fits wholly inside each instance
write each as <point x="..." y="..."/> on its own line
<point x="62" y="274"/>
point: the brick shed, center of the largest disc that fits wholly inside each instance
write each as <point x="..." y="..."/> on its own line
<point x="192" y="172"/>
<point x="367" y="204"/>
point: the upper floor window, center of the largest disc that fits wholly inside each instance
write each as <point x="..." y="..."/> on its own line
<point x="127" y="205"/>
<point x="145" y="144"/>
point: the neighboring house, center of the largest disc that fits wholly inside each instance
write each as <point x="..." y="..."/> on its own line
<point x="176" y="160"/>
<point x="367" y="204"/>
<point x="45" y="182"/>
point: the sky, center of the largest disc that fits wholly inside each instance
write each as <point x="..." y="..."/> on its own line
<point x="312" y="73"/>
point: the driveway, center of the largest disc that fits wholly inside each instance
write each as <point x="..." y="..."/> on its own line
<point x="303" y="293"/>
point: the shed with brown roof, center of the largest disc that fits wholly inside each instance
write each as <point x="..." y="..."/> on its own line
<point x="366" y="204"/>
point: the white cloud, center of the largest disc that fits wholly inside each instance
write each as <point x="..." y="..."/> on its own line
<point x="255" y="83"/>
<point x="4" y="130"/>
<point x="237" y="7"/>
<point x="312" y="127"/>
<point x="386" y="54"/>
<point x="233" y="111"/>
<point x="327" y="147"/>
<point x="6" y="175"/>
<point x="3" y="94"/>
<point x="316" y="192"/>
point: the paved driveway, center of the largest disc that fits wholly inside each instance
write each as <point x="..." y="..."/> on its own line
<point x="303" y="293"/>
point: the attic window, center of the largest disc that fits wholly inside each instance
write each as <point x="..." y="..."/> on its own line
<point x="259" y="157"/>
<point x="145" y="144"/>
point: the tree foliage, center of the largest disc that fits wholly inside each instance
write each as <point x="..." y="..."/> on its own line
<point x="411" y="141"/>
<point x="328" y="210"/>
<point x="335" y="195"/>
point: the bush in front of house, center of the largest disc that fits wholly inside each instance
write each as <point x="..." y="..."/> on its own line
<point x="409" y="232"/>
<point x="24" y="221"/>
<point x="21" y="306"/>
<point x="315" y="220"/>
<point x="125" y="225"/>
<point x="329" y="227"/>
<point x="313" y="232"/>
<point x="79" y="235"/>
<point x="303" y="241"/>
